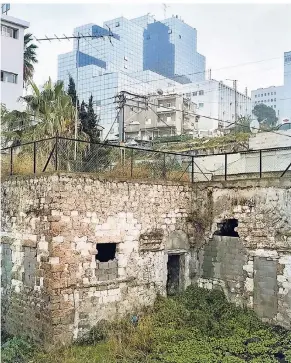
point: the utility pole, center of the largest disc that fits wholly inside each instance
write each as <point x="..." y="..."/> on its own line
<point x="235" y="102"/>
<point x="122" y="101"/>
<point x="77" y="83"/>
<point x="235" y="99"/>
<point x="210" y="74"/>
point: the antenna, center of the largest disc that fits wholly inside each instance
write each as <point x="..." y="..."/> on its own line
<point x="78" y="37"/>
<point x="165" y="6"/>
<point x="5" y="8"/>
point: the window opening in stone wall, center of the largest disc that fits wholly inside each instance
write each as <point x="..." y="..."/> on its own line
<point x="227" y="228"/>
<point x="105" y="251"/>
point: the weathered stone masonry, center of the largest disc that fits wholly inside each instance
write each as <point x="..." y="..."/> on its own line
<point x="52" y="224"/>
<point x="54" y="289"/>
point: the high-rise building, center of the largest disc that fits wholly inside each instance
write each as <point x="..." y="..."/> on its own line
<point x="286" y="115"/>
<point x="12" y="44"/>
<point x="143" y="55"/>
<point x="277" y="97"/>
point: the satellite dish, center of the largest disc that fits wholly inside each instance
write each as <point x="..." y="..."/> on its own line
<point x="160" y="91"/>
<point x="254" y="126"/>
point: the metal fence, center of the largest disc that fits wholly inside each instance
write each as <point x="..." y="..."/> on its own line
<point x="71" y="155"/>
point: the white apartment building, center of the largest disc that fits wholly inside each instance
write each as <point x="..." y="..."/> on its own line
<point x="270" y="96"/>
<point x="12" y="46"/>
<point x="215" y="104"/>
<point x="277" y="97"/>
<point x="158" y="116"/>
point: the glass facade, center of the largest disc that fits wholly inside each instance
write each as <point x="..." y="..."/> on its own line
<point x="143" y="55"/>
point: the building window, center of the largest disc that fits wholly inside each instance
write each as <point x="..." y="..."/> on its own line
<point x="170" y="31"/>
<point x="8" y="77"/>
<point x="180" y="36"/>
<point x="148" y="121"/>
<point x="201" y="93"/>
<point x="169" y="104"/>
<point x="274" y="99"/>
<point x="262" y="95"/>
<point x="125" y="66"/>
<point x="255" y="96"/>
<point x="271" y="99"/>
<point x="194" y="93"/>
<point x="274" y="93"/>
<point x="169" y="118"/>
<point x="117" y="24"/>
<point x="275" y="107"/>
<point x="269" y="94"/>
<point x="188" y="94"/>
<point x="265" y="94"/>
<point x="7" y="31"/>
<point x="148" y="37"/>
<point x="125" y="58"/>
<point x="201" y="105"/>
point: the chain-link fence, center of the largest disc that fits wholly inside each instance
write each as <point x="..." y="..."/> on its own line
<point x="69" y="155"/>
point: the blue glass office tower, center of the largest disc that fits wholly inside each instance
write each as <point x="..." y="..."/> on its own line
<point x="143" y="55"/>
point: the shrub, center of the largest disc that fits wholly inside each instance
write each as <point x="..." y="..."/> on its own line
<point x="16" y="350"/>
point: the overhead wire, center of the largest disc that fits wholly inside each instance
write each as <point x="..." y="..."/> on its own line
<point x="183" y="75"/>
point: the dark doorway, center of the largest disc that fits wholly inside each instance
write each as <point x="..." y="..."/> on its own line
<point x="173" y="279"/>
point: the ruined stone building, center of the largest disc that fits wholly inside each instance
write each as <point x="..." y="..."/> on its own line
<point x="77" y="249"/>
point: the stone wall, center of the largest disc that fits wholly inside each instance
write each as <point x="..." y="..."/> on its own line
<point x="56" y="284"/>
<point x="254" y="269"/>
<point x="51" y="226"/>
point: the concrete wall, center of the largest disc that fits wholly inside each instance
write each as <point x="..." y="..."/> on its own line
<point x="265" y="140"/>
<point x="54" y="289"/>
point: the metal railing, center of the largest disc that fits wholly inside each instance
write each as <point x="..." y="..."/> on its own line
<point x="58" y="154"/>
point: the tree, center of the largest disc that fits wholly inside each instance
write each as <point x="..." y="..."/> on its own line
<point x="243" y="125"/>
<point x="29" y="58"/>
<point x="265" y="115"/>
<point x="72" y="91"/>
<point x="52" y="109"/>
<point x="89" y="120"/>
<point x="15" y="125"/>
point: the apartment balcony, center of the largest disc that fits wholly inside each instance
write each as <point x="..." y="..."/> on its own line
<point x="187" y="126"/>
<point x="166" y="109"/>
<point x="167" y="124"/>
<point x="132" y="128"/>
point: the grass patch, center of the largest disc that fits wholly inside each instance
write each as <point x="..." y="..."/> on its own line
<point x="197" y="326"/>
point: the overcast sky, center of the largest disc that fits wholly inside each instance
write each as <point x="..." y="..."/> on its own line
<point x="228" y="35"/>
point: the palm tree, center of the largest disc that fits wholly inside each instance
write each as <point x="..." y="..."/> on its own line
<point x="52" y="109"/>
<point x="29" y="57"/>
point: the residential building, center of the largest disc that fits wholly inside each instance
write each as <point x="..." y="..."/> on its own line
<point x="142" y="56"/>
<point x="286" y="116"/>
<point x="215" y="104"/>
<point x="271" y="96"/>
<point x="277" y="97"/>
<point x="146" y="118"/>
<point x="12" y="45"/>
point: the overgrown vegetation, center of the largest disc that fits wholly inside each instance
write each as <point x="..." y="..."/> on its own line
<point x="238" y="141"/>
<point x="196" y="326"/>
